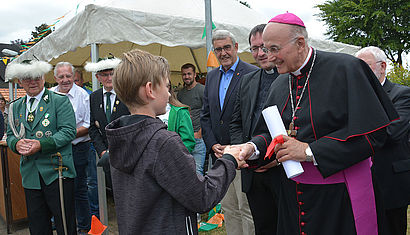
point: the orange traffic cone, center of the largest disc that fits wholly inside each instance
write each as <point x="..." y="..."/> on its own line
<point x="97" y="228"/>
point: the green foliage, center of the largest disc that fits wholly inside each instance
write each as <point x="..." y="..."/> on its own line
<point x="381" y="23"/>
<point x="399" y="75"/>
<point x="245" y="4"/>
<point x="39" y="32"/>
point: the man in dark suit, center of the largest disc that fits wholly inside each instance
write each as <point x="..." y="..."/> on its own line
<point x="392" y="161"/>
<point x="219" y="96"/>
<point x="258" y="180"/>
<point x="104" y="108"/>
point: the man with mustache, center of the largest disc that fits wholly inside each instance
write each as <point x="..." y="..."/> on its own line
<point x="219" y="96"/>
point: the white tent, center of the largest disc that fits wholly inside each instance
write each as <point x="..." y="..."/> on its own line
<point x="172" y="29"/>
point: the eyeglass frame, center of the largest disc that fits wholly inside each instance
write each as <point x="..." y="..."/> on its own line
<point x="101" y="74"/>
<point x="276" y="49"/>
<point x="226" y="48"/>
<point x="255" y="49"/>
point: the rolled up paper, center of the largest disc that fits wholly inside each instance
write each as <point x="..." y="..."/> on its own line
<point x="275" y="126"/>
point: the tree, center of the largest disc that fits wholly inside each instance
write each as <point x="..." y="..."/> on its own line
<point x="18" y="42"/>
<point x="41" y="32"/>
<point x="245" y="4"/>
<point x="381" y="23"/>
<point x="399" y="75"/>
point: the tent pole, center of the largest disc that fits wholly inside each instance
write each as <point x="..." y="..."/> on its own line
<point x="102" y="196"/>
<point x="196" y="62"/>
<point x="208" y="26"/>
<point x="11" y="93"/>
<point x="94" y="58"/>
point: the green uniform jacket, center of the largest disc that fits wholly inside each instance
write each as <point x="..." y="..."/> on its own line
<point x="55" y="127"/>
<point x="180" y="122"/>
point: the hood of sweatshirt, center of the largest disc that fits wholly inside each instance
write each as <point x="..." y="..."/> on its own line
<point x="128" y="137"/>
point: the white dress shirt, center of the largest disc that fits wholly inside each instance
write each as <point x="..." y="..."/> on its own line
<point x="80" y="100"/>
<point x="112" y="98"/>
<point x="35" y="103"/>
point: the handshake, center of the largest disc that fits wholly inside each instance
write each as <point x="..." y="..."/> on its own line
<point x="240" y="152"/>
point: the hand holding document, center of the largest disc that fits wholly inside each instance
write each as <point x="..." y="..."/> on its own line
<point x="276" y="128"/>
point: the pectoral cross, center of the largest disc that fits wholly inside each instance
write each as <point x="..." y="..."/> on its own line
<point x="292" y="132"/>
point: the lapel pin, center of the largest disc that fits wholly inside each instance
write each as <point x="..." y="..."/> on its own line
<point x="117" y="102"/>
<point x="41" y="109"/>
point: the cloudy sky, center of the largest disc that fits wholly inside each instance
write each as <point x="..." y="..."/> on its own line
<point x="19" y="18"/>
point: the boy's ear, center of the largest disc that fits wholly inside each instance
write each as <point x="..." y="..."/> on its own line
<point x="149" y="91"/>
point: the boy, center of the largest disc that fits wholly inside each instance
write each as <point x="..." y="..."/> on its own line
<point x="156" y="188"/>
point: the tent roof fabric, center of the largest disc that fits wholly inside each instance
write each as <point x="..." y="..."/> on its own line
<point x="172" y="29"/>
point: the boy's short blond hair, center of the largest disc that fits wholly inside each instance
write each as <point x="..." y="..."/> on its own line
<point x="138" y="67"/>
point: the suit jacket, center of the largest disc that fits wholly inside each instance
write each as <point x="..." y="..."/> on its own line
<point x="98" y="120"/>
<point x="214" y="121"/>
<point x="392" y="161"/>
<point x="54" y="126"/>
<point x="243" y="120"/>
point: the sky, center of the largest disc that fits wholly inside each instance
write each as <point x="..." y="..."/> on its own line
<point x="19" y="18"/>
<point x="24" y="15"/>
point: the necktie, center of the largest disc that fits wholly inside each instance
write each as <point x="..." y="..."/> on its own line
<point x="31" y="112"/>
<point x="108" y="106"/>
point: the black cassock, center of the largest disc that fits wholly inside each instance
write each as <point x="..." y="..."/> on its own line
<point x="342" y="115"/>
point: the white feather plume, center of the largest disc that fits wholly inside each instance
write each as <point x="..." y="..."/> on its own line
<point x="33" y="69"/>
<point x="102" y="65"/>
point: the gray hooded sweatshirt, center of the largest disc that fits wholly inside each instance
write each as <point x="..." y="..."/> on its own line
<point x="156" y="188"/>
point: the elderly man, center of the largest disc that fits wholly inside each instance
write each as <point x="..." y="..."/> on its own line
<point x="43" y="124"/>
<point x="104" y="108"/>
<point x="392" y="161"/>
<point x="219" y="96"/>
<point x="192" y="95"/>
<point x="336" y="112"/>
<point x="79" y="98"/>
<point x="260" y="180"/>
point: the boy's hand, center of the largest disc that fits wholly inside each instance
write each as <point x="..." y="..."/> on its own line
<point x="235" y="150"/>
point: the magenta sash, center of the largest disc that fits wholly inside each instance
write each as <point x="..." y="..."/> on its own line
<point x="358" y="180"/>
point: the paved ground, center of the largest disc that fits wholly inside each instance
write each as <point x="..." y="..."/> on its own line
<point x="22" y="228"/>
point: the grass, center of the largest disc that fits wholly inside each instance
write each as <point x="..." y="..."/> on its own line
<point x="221" y="231"/>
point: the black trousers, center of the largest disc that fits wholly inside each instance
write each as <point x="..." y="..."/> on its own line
<point x="44" y="203"/>
<point x="397" y="220"/>
<point x="262" y="198"/>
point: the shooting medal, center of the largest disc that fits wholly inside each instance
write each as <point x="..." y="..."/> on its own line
<point x="39" y="134"/>
<point x="30" y="117"/>
<point x="48" y="133"/>
<point x="45" y="122"/>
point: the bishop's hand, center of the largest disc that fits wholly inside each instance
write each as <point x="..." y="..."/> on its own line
<point x="291" y="149"/>
<point x="235" y="151"/>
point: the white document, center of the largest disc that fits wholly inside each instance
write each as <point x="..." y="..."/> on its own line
<point x="276" y="127"/>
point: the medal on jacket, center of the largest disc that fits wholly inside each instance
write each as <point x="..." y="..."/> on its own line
<point x="30" y="117"/>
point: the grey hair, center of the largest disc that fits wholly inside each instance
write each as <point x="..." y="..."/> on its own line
<point x="298" y="31"/>
<point x="222" y="34"/>
<point x="378" y="54"/>
<point x="62" y="64"/>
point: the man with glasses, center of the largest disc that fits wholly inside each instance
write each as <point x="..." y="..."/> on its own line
<point x="104" y="108"/>
<point x="79" y="98"/>
<point x="260" y="179"/>
<point x="336" y="112"/>
<point x="392" y="161"/>
<point x="42" y="124"/>
<point x="219" y="96"/>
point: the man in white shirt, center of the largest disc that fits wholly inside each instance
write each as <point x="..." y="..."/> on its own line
<point x="79" y="98"/>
